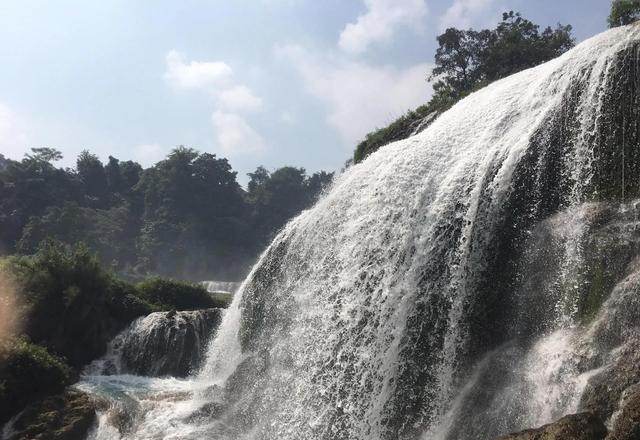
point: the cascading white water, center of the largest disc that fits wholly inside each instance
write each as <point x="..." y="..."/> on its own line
<point x="221" y="286"/>
<point x="373" y="315"/>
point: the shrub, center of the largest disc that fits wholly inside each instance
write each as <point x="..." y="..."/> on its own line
<point x="28" y="372"/>
<point x="73" y="307"/>
<point x="171" y="294"/>
<point x="399" y="129"/>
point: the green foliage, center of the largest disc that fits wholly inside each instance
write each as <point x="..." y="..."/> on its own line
<point x="44" y="155"/>
<point x="517" y="44"/>
<point x="71" y="306"/>
<point x="467" y="60"/>
<point x="276" y="197"/>
<point x="186" y="217"/>
<point x="92" y="174"/>
<point x="168" y="294"/>
<point x="74" y="308"/>
<point x="194" y="216"/>
<point x="401" y="128"/>
<point x="28" y="372"/>
<point x="103" y="230"/>
<point x="624" y="12"/>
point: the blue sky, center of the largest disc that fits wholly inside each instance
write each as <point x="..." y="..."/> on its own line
<point x="261" y="82"/>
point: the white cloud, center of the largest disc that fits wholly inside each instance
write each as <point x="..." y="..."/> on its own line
<point x="464" y="14"/>
<point x="149" y="154"/>
<point x="13" y="134"/>
<point x="239" y="98"/>
<point x="380" y="22"/>
<point x="359" y="96"/>
<point x="213" y="77"/>
<point x="196" y="74"/>
<point x="235" y="135"/>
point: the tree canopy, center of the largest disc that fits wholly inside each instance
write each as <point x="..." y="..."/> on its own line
<point x="624" y="12"/>
<point x="467" y="60"/>
<point x="187" y="216"/>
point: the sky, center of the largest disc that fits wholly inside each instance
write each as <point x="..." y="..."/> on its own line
<point x="260" y="82"/>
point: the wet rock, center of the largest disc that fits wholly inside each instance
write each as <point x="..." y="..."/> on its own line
<point x="68" y="416"/>
<point x="208" y="411"/>
<point x="583" y="426"/>
<point x="626" y="423"/>
<point x="603" y="392"/>
<point x="169" y="343"/>
<point x="123" y="415"/>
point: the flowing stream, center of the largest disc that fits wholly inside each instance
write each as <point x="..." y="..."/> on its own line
<point x="449" y="287"/>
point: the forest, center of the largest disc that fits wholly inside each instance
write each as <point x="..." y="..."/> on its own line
<point x="187" y="216"/>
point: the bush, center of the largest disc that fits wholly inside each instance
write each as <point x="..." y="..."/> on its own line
<point x="72" y="306"/>
<point x="624" y="12"/>
<point x="171" y="294"/>
<point x="125" y="303"/>
<point x="28" y="372"/>
<point x="399" y="129"/>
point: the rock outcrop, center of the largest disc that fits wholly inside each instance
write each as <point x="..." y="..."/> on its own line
<point x="68" y="416"/>
<point x="583" y="426"/>
<point x="168" y="343"/>
<point x="626" y="423"/>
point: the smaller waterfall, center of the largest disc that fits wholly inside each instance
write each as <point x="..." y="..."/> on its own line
<point x="160" y="344"/>
<point x="229" y="287"/>
<point x="144" y="374"/>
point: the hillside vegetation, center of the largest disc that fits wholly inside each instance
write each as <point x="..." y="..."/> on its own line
<point x="467" y="60"/>
<point x="186" y="216"/>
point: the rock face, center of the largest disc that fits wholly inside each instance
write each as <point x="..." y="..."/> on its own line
<point x="626" y="424"/>
<point x="68" y="416"/>
<point x="583" y="426"/>
<point x="168" y="343"/>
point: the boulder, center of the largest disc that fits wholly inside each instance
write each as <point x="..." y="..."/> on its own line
<point x="603" y="392"/>
<point x="67" y="416"/>
<point x="626" y="423"/>
<point x="169" y="343"/>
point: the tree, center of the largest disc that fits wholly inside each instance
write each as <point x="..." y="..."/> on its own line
<point x="194" y="219"/>
<point x="44" y="154"/>
<point x="517" y="44"/>
<point x="317" y="183"/>
<point x="467" y="59"/>
<point x="624" y="12"/>
<point x="276" y="197"/>
<point x="186" y="216"/>
<point x="92" y="173"/>
<point x="113" y="174"/>
<point x="257" y="179"/>
<point x="28" y="188"/>
<point x="104" y="231"/>
<point x="458" y="60"/>
<point x="131" y="172"/>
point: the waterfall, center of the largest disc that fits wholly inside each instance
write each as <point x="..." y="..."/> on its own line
<point x="451" y="286"/>
<point x="160" y="344"/>
<point x="221" y="286"/>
